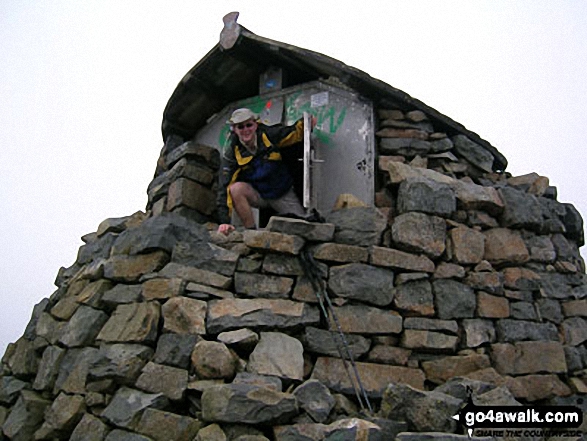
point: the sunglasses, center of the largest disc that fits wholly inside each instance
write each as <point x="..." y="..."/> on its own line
<point x="247" y="125"/>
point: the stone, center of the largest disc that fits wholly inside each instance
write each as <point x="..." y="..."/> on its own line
<point x="334" y="252"/>
<point x="466" y="246"/>
<point x="279" y="242"/>
<point x="473" y="152"/>
<point x="575" y="308"/>
<point x="522" y="210"/>
<point x="132" y="323"/>
<point x="64" y="308"/>
<point x="453" y="300"/>
<point x="374" y="377"/>
<point x="191" y="194"/>
<point x="129" y="269"/>
<point x="449" y="271"/>
<point x="48" y="369"/>
<point x="96" y="250"/>
<point x="23" y="361"/>
<point x="426" y="196"/>
<point x="541" y="249"/>
<point x="83" y="327"/>
<point x="361" y="319"/>
<point x="360" y="226"/>
<point x="262" y="285"/>
<point x="212" y="432"/>
<point x="489" y="306"/>
<point x="157" y="378"/>
<point x="396" y="259"/>
<point x="124" y="435"/>
<point x="441" y="370"/>
<point x="363" y="283"/>
<point x="311" y="231"/>
<point x="414" y="297"/>
<point x="161" y="289"/>
<point x="478" y="332"/>
<point x="274" y="383"/>
<point x="208" y="256"/>
<point x="127" y="406"/>
<point x="10" y="388"/>
<point x="241" y="339"/>
<point x="163" y="426"/>
<point x="278" y="355"/>
<point x="25" y="417"/>
<point x="90" y="428"/>
<point x="247" y="404"/>
<point x="121" y="294"/>
<point x="384" y="354"/>
<point x="402" y="133"/>
<point x="74" y="369"/>
<point x="175" y="350"/>
<point x="524" y="311"/>
<point x="509" y="330"/>
<point x="196" y="275"/>
<point x="521" y="357"/>
<point x="574" y="330"/>
<point x="427" y="324"/>
<point x="119" y="224"/>
<point x="521" y="279"/>
<point x="315" y="399"/>
<point x="62" y="416"/>
<point x="473" y="197"/>
<point x="420" y="233"/>
<point x="550" y="310"/>
<point x="230" y="314"/>
<point x="282" y="265"/>
<point x="504" y="246"/>
<point x="424" y="411"/>
<point x="399" y="172"/>
<point x="323" y="342"/>
<point x="195" y="289"/>
<point x="463" y="387"/>
<point x="540" y="387"/>
<point x="212" y="360"/>
<point x="182" y="315"/>
<point x="92" y="294"/>
<point x="120" y="362"/>
<point x="428" y="340"/>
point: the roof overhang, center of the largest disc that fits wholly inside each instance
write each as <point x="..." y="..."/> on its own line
<point x="231" y="70"/>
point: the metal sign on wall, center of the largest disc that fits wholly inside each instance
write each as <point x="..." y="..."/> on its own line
<point x="343" y="142"/>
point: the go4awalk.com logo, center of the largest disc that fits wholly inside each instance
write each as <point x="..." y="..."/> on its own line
<point x="517" y="420"/>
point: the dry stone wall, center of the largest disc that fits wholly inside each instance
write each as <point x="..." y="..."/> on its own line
<point x="459" y="278"/>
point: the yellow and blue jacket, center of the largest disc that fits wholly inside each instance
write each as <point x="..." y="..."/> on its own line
<point x="264" y="170"/>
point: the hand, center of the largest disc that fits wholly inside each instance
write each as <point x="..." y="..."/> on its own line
<point x="225" y="229"/>
<point x="313" y="121"/>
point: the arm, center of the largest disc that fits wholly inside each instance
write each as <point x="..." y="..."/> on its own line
<point x="285" y="136"/>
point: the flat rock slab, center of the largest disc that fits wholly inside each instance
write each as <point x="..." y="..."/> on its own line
<point x="278" y="355"/>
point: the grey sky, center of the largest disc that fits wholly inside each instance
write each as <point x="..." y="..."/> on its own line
<point x="84" y="85"/>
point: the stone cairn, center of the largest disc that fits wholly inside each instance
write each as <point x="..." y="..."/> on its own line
<point x="459" y="279"/>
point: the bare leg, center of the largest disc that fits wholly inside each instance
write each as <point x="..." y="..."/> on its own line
<point x="243" y="198"/>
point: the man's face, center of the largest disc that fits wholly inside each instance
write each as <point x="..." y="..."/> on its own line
<point x="246" y="132"/>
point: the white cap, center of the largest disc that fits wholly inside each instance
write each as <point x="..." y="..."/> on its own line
<point x="241" y="115"/>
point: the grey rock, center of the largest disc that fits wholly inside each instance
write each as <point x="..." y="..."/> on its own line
<point x="473" y="152"/>
<point x="120" y="362"/>
<point x="315" y="399"/>
<point x="99" y="249"/>
<point x="420" y="233"/>
<point x="265" y="381"/>
<point x="241" y="339"/>
<point x="362" y="319"/>
<point x="414" y="297"/>
<point x="160" y="232"/>
<point x="509" y="330"/>
<point x="48" y="368"/>
<point x="38" y="309"/>
<point x="282" y="265"/>
<point x="311" y="231"/>
<point x="453" y="299"/>
<point x="74" y="369"/>
<point x="363" y="283"/>
<point x="10" y="388"/>
<point x="573" y="358"/>
<point x="247" y="404"/>
<point x="460" y="388"/>
<point x="441" y="145"/>
<point x="132" y="323"/>
<point x="212" y="359"/>
<point x="163" y="426"/>
<point x="127" y="406"/>
<point x="230" y="314"/>
<point x="182" y="315"/>
<point x="478" y="332"/>
<point x="573" y="224"/>
<point x="409" y="147"/>
<point x="175" y="349"/>
<point x="121" y="294"/>
<point x="62" y="416"/>
<point x="206" y="256"/>
<point x="541" y="249"/>
<point x="190" y="274"/>
<point x="124" y="435"/>
<point x="423" y="411"/>
<point x="277" y="355"/>
<point x="448" y="326"/>
<point x="262" y="285"/>
<point x="523" y="311"/>
<point x="169" y="381"/>
<point x="320" y="341"/>
<point x="25" y="417"/>
<point x="426" y="196"/>
<point x="83" y="327"/>
<point x="574" y="330"/>
<point x="90" y="428"/>
<point x="522" y="210"/>
<point x="361" y="226"/>
<point x="23" y="361"/>
<point x="500" y="396"/>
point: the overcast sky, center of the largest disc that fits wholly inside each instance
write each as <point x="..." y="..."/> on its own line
<point x="83" y="85"/>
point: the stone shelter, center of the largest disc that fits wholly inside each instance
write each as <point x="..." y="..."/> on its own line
<point x="436" y="278"/>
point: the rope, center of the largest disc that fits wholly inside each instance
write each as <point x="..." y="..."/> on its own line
<point x="309" y="266"/>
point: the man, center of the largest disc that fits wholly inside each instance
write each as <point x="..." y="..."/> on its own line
<point x="252" y="172"/>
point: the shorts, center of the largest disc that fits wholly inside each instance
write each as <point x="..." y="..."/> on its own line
<point x="286" y="204"/>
